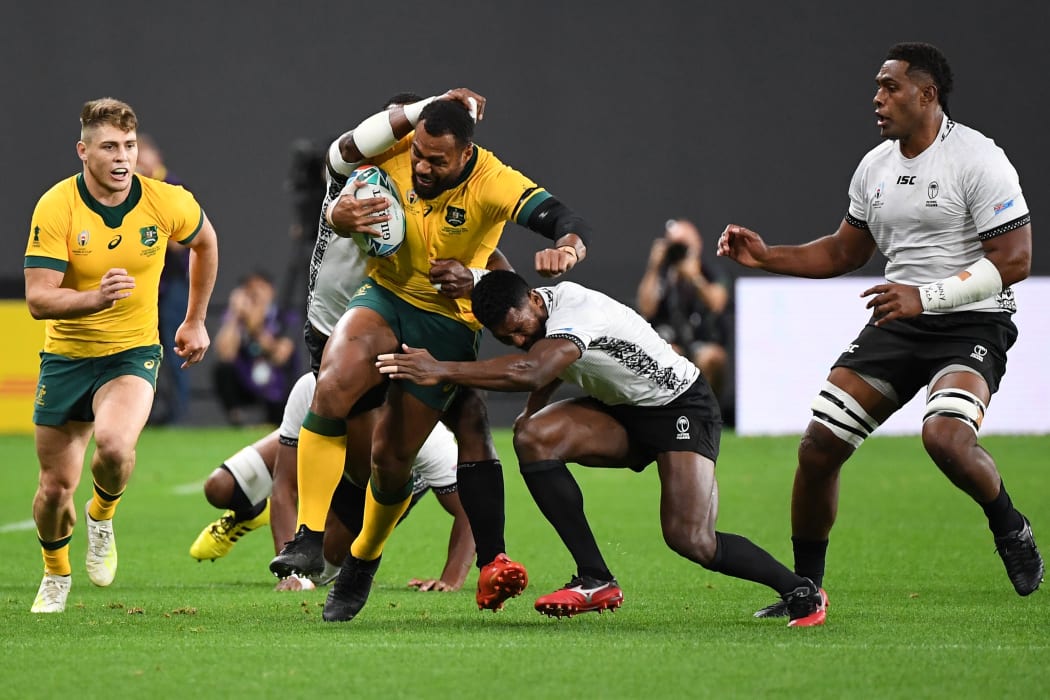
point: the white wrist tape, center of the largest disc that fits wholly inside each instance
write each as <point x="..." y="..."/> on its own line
<point x="979" y="281"/>
<point x="478" y="273"/>
<point x="412" y="111"/>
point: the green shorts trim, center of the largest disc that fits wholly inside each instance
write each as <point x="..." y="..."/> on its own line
<point x="445" y="338"/>
<point x="66" y="386"/>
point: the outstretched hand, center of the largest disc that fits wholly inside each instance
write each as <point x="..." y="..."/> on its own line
<point x="415" y="364"/>
<point x="191" y="342"/>
<point x="116" y="284"/>
<point x="474" y="102"/>
<point x="430" y="584"/>
<point x="552" y="262"/>
<point x="893" y="301"/>
<point x="742" y="245"/>
<point x="347" y="214"/>
<point x="451" y="277"/>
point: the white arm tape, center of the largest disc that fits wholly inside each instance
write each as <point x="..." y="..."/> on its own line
<point x="478" y="273"/>
<point x="413" y="110"/>
<point x="335" y="158"/>
<point x="979" y="281"/>
<point x="374" y="135"/>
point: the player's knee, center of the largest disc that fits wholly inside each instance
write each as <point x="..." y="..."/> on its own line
<point x="114" y="448"/>
<point x="947" y="441"/>
<point x="391" y="465"/>
<point x="820" y="452"/>
<point x="218" y="489"/>
<point x="535" y="439"/>
<point x="53" y="493"/>
<point x="839" y="426"/>
<point x="691" y="541"/>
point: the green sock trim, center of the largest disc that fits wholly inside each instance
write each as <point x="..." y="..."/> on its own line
<point x="329" y="427"/>
<point x="387" y="498"/>
<point x="106" y="496"/>
<point x="57" y="544"/>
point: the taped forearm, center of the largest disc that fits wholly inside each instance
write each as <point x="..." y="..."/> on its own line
<point x="979" y="281"/>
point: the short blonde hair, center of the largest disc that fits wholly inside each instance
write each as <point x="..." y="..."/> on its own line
<point x="107" y="110"/>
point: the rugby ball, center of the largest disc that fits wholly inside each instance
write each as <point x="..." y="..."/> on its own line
<point x="391" y="234"/>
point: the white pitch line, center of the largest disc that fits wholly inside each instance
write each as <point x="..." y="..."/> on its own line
<point x="20" y="526"/>
<point x="186" y="489"/>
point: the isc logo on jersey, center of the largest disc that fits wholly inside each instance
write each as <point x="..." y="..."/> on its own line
<point x="376" y="183"/>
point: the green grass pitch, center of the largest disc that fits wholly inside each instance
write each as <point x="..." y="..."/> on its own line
<point x="920" y="604"/>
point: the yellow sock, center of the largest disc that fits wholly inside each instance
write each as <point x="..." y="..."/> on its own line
<point x="382" y="511"/>
<point x="56" y="555"/>
<point x="103" y="505"/>
<point x="322" y="452"/>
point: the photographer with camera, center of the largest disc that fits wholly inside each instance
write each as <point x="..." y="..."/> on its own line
<point x="683" y="298"/>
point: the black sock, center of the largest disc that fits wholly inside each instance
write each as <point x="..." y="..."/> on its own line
<point x="559" y="498"/>
<point x="242" y="507"/>
<point x="351" y="505"/>
<point x="1003" y="518"/>
<point x="739" y="557"/>
<point x="810" y="556"/>
<point x="480" y="486"/>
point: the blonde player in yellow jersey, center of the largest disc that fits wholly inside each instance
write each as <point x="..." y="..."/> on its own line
<point x="457" y="199"/>
<point x="92" y="268"/>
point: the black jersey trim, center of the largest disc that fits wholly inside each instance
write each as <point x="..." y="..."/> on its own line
<point x="855" y="222"/>
<point x="567" y="336"/>
<point x="1005" y="228"/>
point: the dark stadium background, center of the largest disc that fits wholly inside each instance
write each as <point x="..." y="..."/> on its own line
<point x="750" y="112"/>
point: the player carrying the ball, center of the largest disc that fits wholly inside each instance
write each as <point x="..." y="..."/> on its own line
<point x="457" y="199"/>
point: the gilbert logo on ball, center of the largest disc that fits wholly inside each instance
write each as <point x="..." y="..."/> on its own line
<point x="391" y="233"/>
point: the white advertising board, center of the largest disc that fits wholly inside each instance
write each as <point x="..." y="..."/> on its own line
<point x="789" y="331"/>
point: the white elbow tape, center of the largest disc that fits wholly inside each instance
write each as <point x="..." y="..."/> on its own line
<point x="979" y="281"/>
<point x="374" y="135"/>
<point x="478" y="273"/>
<point x="413" y="110"/>
<point x="335" y="158"/>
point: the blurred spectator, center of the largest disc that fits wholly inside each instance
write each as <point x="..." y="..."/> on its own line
<point x="684" y="298"/>
<point x="256" y="354"/>
<point x="306" y="185"/>
<point x="171" y="402"/>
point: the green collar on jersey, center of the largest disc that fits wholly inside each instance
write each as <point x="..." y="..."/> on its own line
<point x="113" y="217"/>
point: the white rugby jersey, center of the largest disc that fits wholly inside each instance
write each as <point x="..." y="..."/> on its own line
<point x="337" y="268"/>
<point x="623" y="360"/>
<point x="929" y="214"/>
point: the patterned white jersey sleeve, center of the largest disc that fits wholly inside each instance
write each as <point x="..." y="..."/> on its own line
<point x="929" y="214"/>
<point x="623" y="361"/>
<point x="337" y="268"/>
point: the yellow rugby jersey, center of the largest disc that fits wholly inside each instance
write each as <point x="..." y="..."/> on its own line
<point x="463" y="223"/>
<point x="73" y="233"/>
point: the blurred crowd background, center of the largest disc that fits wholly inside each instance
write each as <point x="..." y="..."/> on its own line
<point x="647" y="118"/>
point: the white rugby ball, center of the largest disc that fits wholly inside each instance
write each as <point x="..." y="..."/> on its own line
<point x="391" y="234"/>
